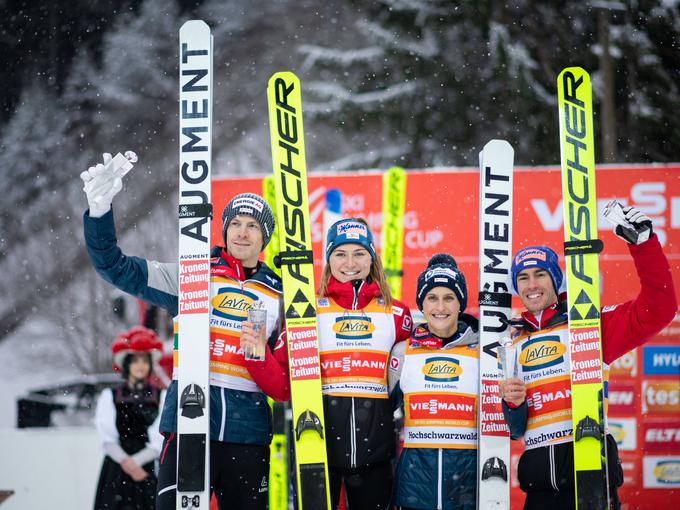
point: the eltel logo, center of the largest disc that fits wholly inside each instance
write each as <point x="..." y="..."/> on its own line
<point x="541" y="353"/>
<point x="230" y="303"/>
<point x="353" y="327"/>
<point x="442" y="369"/>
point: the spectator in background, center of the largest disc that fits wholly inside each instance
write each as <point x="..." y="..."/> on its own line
<point x="127" y="418"/>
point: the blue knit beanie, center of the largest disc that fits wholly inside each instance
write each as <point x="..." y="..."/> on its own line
<point x="537" y="256"/>
<point x="348" y="231"/>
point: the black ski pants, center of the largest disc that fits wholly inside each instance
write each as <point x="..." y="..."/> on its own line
<point x="239" y="475"/>
<point x="367" y="487"/>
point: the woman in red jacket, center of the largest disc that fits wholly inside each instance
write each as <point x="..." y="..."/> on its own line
<point x="358" y="322"/>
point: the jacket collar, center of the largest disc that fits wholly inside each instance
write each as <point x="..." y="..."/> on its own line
<point x="223" y="264"/>
<point x="466" y="334"/>
<point x="552" y="316"/>
<point x="352" y="295"/>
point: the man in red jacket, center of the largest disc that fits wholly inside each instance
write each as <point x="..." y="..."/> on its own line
<point x="537" y="404"/>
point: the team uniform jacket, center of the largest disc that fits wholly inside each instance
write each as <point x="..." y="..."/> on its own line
<point x="239" y="412"/>
<point x="437" y="382"/>
<point x="544" y="419"/>
<point x="356" y="334"/>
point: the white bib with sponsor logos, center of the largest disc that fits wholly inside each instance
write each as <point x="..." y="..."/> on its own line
<point x="544" y="361"/>
<point x="441" y="388"/>
<point x="354" y="346"/>
<point x="229" y="303"/>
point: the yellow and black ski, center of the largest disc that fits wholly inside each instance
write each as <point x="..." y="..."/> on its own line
<point x="581" y="249"/>
<point x="278" y="450"/>
<point x="297" y="272"/>
<point x="393" y="208"/>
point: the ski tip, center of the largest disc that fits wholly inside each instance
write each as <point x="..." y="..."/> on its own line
<point x="286" y="76"/>
<point x="194" y="24"/>
<point x="498" y="144"/>
<point x="575" y="73"/>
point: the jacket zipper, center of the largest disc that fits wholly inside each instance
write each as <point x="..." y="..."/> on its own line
<point x="439" y="479"/>
<point x="353" y="438"/>
<point x="553" y="475"/>
<point x="356" y="285"/>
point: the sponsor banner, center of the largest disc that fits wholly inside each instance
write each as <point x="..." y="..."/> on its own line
<point x="622" y="399"/>
<point x="661" y="396"/>
<point x="303" y="351"/>
<point x="442" y="407"/>
<point x="554" y="396"/>
<point x="357" y="365"/>
<point x="584" y="346"/>
<point x="630" y="462"/>
<point x="624" y="431"/>
<point x="625" y="367"/>
<point x="661" y="360"/>
<point x="662" y="436"/>
<point x="655" y="189"/>
<point x="492" y="410"/>
<point x="194" y="286"/>
<point x="661" y="472"/>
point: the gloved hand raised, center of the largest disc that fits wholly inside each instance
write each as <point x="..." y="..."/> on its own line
<point x="632" y="225"/>
<point x="103" y="181"/>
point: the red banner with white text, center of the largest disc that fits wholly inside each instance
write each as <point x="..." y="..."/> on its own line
<point x="441" y="216"/>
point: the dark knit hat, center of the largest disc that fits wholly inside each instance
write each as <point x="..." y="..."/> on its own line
<point x="252" y="205"/>
<point x="537" y="256"/>
<point x="348" y="231"/>
<point x="442" y="271"/>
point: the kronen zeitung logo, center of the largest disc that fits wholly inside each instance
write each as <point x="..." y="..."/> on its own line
<point x="542" y="352"/>
<point x="667" y="471"/>
<point x="442" y="369"/>
<point x="353" y="327"/>
<point x="231" y="303"/>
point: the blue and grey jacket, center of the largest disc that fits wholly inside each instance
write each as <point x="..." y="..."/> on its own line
<point x="441" y="478"/>
<point x="235" y="416"/>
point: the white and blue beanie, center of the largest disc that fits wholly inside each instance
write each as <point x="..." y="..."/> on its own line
<point x="442" y="271"/>
<point x="348" y="231"/>
<point x="537" y="256"/>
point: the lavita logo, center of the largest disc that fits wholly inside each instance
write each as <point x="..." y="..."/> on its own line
<point x="231" y="303"/>
<point x="542" y="352"/>
<point x="353" y="327"/>
<point x="442" y="369"/>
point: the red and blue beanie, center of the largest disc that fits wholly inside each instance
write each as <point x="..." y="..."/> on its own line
<point x="442" y="271"/>
<point x="348" y="231"/>
<point x="537" y="256"/>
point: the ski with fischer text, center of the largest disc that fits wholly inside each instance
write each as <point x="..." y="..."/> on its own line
<point x="581" y="249"/>
<point x="297" y="272"/>
<point x="392" y="241"/>
<point x="495" y="258"/>
<point x="195" y="213"/>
